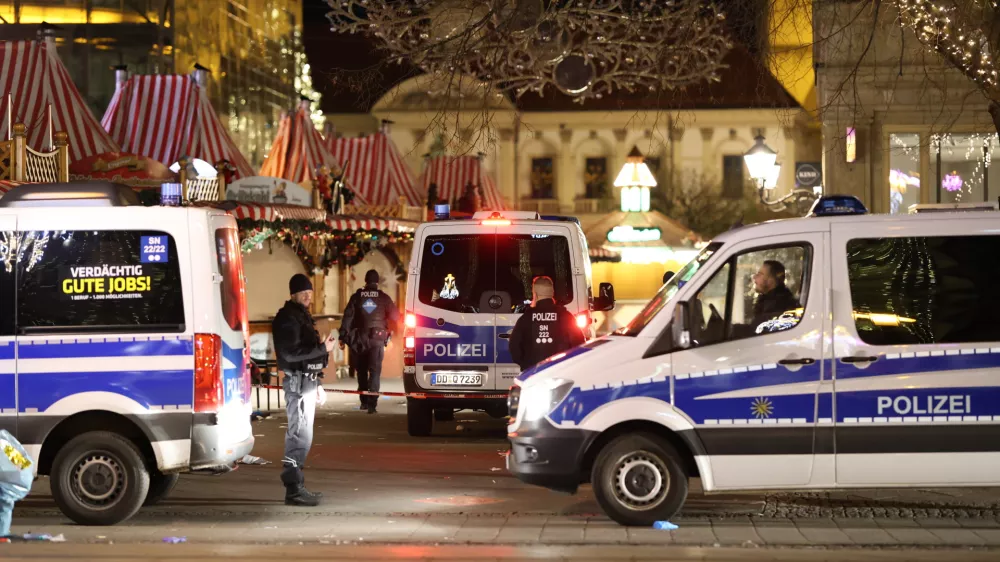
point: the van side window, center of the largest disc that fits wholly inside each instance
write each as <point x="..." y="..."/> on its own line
<point x="927" y="289"/>
<point x="105" y="281"/>
<point x="8" y="247"/>
<point x="755" y="293"/>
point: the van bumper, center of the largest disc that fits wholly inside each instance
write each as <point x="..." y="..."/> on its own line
<point x="211" y="446"/>
<point x="544" y="455"/>
<point x="493" y="401"/>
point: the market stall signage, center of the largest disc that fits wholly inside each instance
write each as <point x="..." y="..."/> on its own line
<point x="265" y="189"/>
<point x="630" y="234"/>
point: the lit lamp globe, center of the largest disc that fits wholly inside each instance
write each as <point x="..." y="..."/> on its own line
<point x="760" y="160"/>
<point x="772" y="177"/>
<point x="635" y="180"/>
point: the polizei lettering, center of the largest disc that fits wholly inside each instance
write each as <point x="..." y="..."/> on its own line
<point x="455" y="349"/>
<point x="543" y="317"/>
<point x="369" y="294"/>
<point x="915" y="405"/>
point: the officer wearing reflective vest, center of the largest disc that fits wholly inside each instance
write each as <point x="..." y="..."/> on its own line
<point x="545" y="329"/>
<point x="302" y="355"/>
<point x="369" y="319"/>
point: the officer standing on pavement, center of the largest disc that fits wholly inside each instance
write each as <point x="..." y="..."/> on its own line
<point x="545" y="329"/>
<point x="369" y="319"/>
<point x="302" y="355"/>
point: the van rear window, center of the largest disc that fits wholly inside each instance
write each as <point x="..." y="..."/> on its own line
<point x="459" y="272"/>
<point x="233" y="287"/>
<point x="98" y="281"/>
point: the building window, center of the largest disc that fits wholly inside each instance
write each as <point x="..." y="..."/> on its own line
<point x="923" y="290"/>
<point x="732" y="176"/>
<point x="595" y="178"/>
<point x="542" y="179"/>
<point x="961" y="167"/>
<point x="904" y="172"/>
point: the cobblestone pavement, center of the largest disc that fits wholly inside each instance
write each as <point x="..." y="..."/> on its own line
<point x="450" y="493"/>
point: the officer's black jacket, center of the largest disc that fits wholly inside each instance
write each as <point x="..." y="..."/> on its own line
<point x="544" y="330"/>
<point x="358" y="324"/>
<point x="297" y="344"/>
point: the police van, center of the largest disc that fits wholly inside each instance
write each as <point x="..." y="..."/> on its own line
<point x="123" y="350"/>
<point x="882" y="369"/>
<point x="469" y="281"/>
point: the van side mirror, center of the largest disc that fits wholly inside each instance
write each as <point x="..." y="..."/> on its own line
<point x="605" y="298"/>
<point x="681" y="326"/>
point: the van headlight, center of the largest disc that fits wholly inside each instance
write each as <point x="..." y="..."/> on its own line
<point x="540" y="399"/>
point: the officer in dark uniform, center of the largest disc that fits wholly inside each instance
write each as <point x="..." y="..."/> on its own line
<point x="545" y="329"/>
<point x="369" y="319"/>
<point x="302" y="355"/>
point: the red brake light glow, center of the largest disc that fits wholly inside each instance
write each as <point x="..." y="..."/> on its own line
<point x="582" y="320"/>
<point x="411" y="321"/>
<point x="208" y="384"/>
<point x="496" y="219"/>
<point x="410" y="342"/>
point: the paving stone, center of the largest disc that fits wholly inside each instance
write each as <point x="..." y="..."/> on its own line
<point x="893" y="523"/>
<point x="775" y="533"/>
<point x="970" y="523"/>
<point x="605" y="534"/>
<point x="937" y="523"/>
<point x="958" y="537"/>
<point x="735" y="534"/>
<point x="990" y="536"/>
<point x="915" y="536"/>
<point x="823" y="532"/>
<point x="648" y="535"/>
<point x="868" y="535"/>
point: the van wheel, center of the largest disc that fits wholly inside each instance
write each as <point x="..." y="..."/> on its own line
<point x="99" y="478"/>
<point x="639" y="479"/>
<point x="419" y="417"/>
<point x="444" y="414"/>
<point x="160" y="486"/>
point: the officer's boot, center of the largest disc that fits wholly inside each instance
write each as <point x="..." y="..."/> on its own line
<point x="300" y="497"/>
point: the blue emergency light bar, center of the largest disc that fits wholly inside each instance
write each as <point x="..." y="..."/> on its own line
<point x="837" y="205"/>
<point x="442" y="212"/>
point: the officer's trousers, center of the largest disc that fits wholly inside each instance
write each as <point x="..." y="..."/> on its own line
<point x="300" y="397"/>
<point x="370" y="371"/>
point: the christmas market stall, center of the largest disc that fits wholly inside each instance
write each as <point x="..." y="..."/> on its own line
<point x="374" y="169"/>
<point x="298" y="153"/>
<point x="460" y="181"/>
<point x="168" y="120"/>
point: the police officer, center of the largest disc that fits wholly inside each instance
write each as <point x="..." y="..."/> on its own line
<point x="302" y="355"/>
<point x="369" y="319"/>
<point x="545" y="329"/>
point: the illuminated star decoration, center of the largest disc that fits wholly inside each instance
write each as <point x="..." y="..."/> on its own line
<point x="762" y="408"/>
<point x="450" y="291"/>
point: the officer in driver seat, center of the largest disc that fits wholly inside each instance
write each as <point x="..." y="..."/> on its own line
<point x="369" y="319"/>
<point x="545" y="329"/>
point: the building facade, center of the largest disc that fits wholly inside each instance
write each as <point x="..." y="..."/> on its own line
<point x="900" y="127"/>
<point x="252" y="48"/>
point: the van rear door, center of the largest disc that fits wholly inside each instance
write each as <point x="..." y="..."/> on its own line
<point x="524" y="252"/>
<point x="454" y="335"/>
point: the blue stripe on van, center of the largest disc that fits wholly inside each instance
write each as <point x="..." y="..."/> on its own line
<point x="6" y="350"/>
<point x="7" y="398"/>
<point x="41" y="390"/>
<point x="234" y="386"/>
<point x="56" y="350"/>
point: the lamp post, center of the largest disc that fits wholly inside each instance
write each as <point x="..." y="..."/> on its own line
<point x="635" y="181"/>
<point x="761" y="161"/>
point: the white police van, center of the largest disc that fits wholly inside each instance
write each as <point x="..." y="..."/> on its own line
<point x="886" y="373"/>
<point x="469" y="281"/>
<point x="122" y="344"/>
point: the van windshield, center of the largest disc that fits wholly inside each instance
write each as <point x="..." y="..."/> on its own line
<point x="667" y="292"/>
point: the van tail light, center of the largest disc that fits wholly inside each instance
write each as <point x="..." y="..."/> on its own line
<point x="583" y="320"/>
<point x="496" y="219"/>
<point x="410" y="341"/>
<point x="208" y="382"/>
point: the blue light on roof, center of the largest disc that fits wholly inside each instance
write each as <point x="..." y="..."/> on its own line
<point x="837" y="205"/>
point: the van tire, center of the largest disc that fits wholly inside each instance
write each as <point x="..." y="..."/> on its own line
<point x="96" y="456"/>
<point x="160" y="486"/>
<point x="419" y="417"/>
<point x="641" y="456"/>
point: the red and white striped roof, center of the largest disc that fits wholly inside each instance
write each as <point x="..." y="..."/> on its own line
<point x="452" y="173"/>
<point x="32" y="72"/>
<point x="166" y="117"/>
<point x="350" y="222"/>
<point x="6" y="185"/>
<point x="298" y="149"/>
<point x="375" y="169"/>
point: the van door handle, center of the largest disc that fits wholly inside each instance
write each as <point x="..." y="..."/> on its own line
<point x="858" y="359"/>
<point x="505" y="336"/>
<point x="803" y="361"/>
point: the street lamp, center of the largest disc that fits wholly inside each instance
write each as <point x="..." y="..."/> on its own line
<point x="762" y="163"/>
<point x="635" y="180"/>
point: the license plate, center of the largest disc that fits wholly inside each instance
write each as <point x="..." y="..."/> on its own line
<point x="456" y="379"/>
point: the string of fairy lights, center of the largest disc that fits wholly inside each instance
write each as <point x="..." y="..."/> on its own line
<point x="978" y="151"/>
<point x="955" y="29"/>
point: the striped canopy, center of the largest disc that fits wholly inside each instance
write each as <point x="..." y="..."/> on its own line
<point x="453" y="173"/>
<point x="166" y="117"/>
<point x="7" y="185"/>
<point x="298" y="149"/>
<point x="375" y="169"/>
<point x="32" y="72"/>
